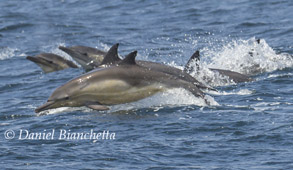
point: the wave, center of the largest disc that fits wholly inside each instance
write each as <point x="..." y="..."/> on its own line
<point x="280" y="75"/>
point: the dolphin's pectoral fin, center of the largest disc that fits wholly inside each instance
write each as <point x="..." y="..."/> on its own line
<point x="195" y="91"/>
<point x="198" y="93"/>
<point x="97" y="107"/>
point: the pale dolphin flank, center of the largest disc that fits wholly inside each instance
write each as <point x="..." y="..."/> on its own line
<point x="88" y="57"/>
<point x="232" y="75"/>
<point x="112" y="58"/>
<point x="123" y="83"/>
<point x="51" y="62"/>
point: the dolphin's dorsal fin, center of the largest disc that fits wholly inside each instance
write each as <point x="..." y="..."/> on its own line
<point x="195" y="56"/>
<point x="111" y="56"/>
<point x="129" y="59"/>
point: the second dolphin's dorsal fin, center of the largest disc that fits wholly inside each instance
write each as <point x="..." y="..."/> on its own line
<point x="195" y="56"/>
<point x="129" y="59"/>
<point x="111" y="56"/>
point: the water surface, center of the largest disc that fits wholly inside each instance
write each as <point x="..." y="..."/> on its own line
<point x="250" y="127"/>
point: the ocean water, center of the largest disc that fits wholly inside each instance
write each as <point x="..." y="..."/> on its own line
<point x="248" y="125"/>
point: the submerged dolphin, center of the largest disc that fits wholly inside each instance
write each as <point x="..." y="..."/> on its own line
<point x="232" y="75"/>
<point x="121" y="83"/>
<point x="87" y="57"/>
<point x="51" y="62"/>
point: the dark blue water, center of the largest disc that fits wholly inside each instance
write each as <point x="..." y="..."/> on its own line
<point x="249" y="126"/>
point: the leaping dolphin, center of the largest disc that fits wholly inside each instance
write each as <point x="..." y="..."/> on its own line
<point x="87" y="57"/>
<point x="112" y="58"/>
<point x="121" y="83"/>
<point x="51" y="62"/>
<point x="232" y="75"/>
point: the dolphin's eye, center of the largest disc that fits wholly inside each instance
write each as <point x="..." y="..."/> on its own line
<point x="49" y="61"/>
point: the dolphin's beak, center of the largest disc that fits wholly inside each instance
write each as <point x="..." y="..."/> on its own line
<point x="34" y="59"/>
<point x="45" y="106"/>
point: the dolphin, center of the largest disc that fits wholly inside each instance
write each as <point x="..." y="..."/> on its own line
<point x="232" y="75"/>
<point x="121" y="83"/>
<point x="51" y="62"/>
<point x="87" y="57"/>
<point x="112" y="58"/>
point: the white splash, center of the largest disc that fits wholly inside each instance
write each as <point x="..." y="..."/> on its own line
<point x="105" y="47"/>
<point x="239" y="92"/>
<point x="247" y="57"/>
<point x="211" y="78"/>
<point x="243" y="56"/>
<point x="172" y="97"/>
<point x="58" y="110"/>
<point x="6" y="52"/>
